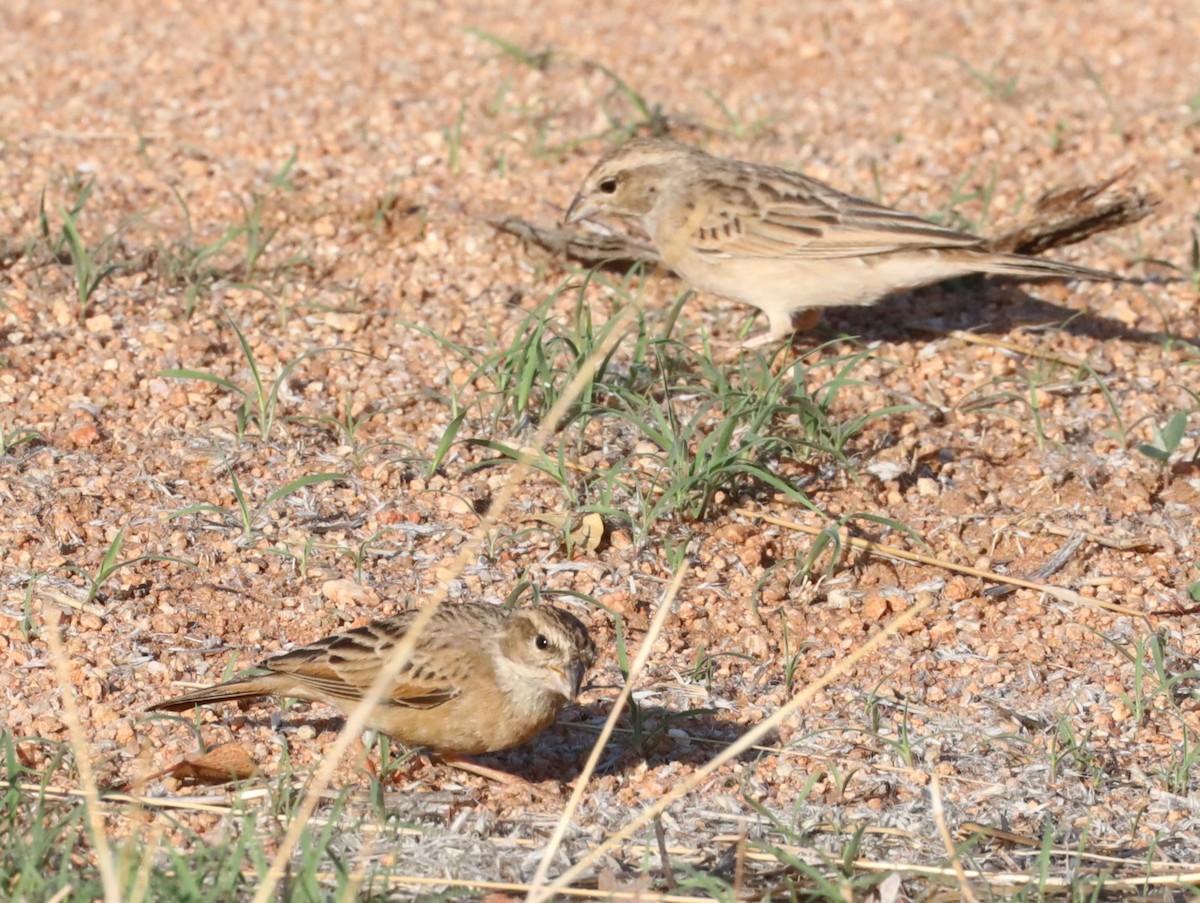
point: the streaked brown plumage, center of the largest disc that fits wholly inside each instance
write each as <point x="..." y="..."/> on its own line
<point x="481" y="678"/>
<point x="780" y="241"/>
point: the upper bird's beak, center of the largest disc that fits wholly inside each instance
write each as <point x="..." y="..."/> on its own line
<point x="579" y="210"/>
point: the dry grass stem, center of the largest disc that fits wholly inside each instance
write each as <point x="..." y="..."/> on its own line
<point x="875" y="548"/>
<point x="939" y="818"/>
<point x="665" y="606"/>
<point x="83" y="761"/>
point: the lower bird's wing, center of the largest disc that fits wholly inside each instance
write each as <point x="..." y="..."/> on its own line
<point x="345" y="665"/>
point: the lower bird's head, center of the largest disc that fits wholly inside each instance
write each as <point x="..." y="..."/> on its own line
<point x="545" y="651"/>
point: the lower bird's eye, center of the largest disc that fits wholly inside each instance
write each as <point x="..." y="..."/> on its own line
<point x="608" y="186"/>
<point x="541" y="642"/>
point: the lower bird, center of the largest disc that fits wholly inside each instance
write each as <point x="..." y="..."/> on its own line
<point x="780" y="241"/>
<point x="481" y="678"/>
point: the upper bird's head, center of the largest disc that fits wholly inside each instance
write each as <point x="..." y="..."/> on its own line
<point x="629" y="180"/>
<point x="547" y="649"/>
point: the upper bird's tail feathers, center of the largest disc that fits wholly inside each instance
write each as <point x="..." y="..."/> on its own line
<point x="1025" y="267"/>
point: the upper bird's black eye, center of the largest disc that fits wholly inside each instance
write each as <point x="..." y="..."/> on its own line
<point x="609" y="185"/>
<point x="541" y="642"/>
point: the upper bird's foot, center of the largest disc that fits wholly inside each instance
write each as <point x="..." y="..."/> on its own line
<point x="751" y="344"/>
<point x="800" y="321"/>
<point x="762" y="339"/>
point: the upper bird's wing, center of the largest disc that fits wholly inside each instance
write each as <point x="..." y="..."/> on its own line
<point x="774" y="213"/>
<point x="344" y="665"/>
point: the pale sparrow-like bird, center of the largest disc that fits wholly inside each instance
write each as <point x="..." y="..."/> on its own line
<point x="780" y="241"/>
<point x="480" y="679"/>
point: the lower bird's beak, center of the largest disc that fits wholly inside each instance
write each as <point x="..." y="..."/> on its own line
<point x="575" y="674"/>
<point x="567" y="682"/>
<point x="579" y="210"/>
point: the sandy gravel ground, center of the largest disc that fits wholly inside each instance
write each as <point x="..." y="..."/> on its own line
<point x="362" y="147"/>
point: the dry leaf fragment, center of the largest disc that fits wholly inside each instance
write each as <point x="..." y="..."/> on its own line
<point x="220" y="765"/>
<point x="586" y="532"/>
<point x="590" y="532"/>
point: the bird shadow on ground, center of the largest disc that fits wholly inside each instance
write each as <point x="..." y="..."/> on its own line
<point x="983" y="307"/>
<point x="660" y="736"/>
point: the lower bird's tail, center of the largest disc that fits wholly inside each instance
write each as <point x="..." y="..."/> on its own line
<point x="247" y="688"/>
